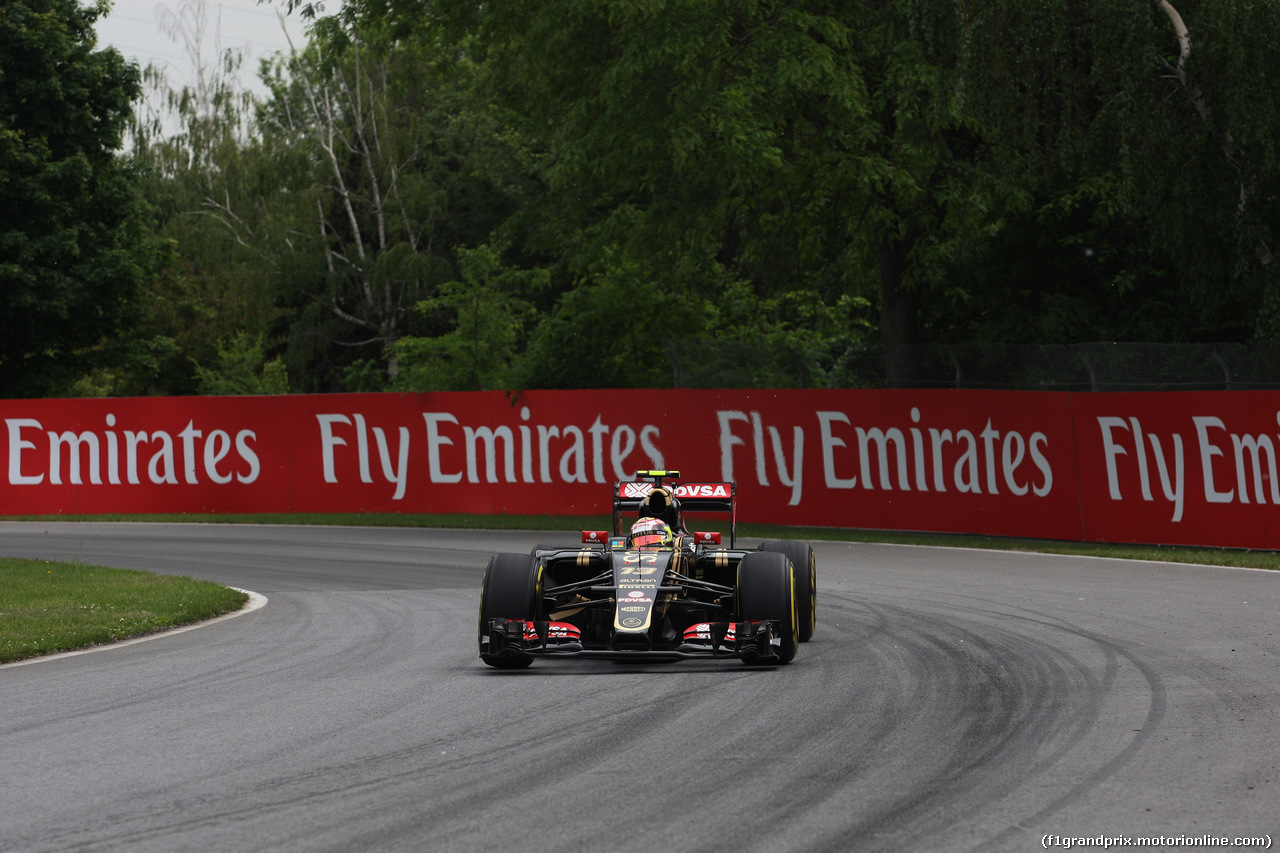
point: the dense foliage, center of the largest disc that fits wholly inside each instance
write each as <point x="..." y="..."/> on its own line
<point x="582" y="194"/>
<point x="74" y="252"/>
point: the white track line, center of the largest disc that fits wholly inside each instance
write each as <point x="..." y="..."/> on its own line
<point x="256" y="601"/>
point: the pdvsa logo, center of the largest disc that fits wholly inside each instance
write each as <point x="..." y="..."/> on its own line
<point x="703" y="490"/>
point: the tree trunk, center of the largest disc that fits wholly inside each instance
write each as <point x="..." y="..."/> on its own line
<point x="1243" y="165"/>
<point x="899" y="327"/>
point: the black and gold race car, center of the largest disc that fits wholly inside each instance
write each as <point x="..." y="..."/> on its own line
<point x="652" y="590"/>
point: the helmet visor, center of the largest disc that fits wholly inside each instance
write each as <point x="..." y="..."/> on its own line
<point x="650" y="540"/>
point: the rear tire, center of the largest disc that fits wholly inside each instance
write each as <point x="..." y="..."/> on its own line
<point x="801" y="556"/>
<point x="510" y="590"/>
<point x="766" y="590"/>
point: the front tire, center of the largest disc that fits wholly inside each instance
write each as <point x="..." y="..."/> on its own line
<point x="801" y="556"/>
<point x="766" y="590"/>
<point x="510" y="590"/>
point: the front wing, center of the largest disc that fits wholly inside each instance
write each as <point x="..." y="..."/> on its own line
<point x="748" y="641"/>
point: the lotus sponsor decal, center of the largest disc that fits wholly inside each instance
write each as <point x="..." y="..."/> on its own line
<point x="636" y="490"/>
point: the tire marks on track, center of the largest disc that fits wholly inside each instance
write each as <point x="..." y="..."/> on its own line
<point x="980" y="705"/>
<point x="948" y="701"/>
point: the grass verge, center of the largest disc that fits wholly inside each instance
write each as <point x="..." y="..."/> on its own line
<point x="48" y="607"/>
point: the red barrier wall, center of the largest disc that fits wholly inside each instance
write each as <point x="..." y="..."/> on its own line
<point x="1187" y="468"/>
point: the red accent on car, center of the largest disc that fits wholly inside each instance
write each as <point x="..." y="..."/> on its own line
<point x="702" y="631"/>
<point x="555" y="631"/>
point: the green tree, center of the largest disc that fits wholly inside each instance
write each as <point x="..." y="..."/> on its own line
<point x="768" y="154"/>
<point x="241" y="368"/>
<point x="74" y="255"/>
<point x="405" y="169"/>
<point x="1140" y="136"/>
<point x="808" y="179"/>
<point x="489" y="311"/>
<point x="312" y="222"/>
<point x="207" y="175"/>
<point x="1005" y="170"/>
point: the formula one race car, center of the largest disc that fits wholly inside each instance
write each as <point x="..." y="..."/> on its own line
<point x="654" y="590"/>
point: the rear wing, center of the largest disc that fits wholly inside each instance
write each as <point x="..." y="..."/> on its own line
<point x="628" y="495"/>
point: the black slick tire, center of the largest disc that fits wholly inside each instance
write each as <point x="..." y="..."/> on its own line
<point x="801" y="556"/>
<point x="766" y="590"/>
<point x="510" y="590"/>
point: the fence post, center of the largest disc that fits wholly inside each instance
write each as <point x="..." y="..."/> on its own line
<point x="1093" y="376"/>
<point x="1226" y="371"/>
<point x="956" y="363"/>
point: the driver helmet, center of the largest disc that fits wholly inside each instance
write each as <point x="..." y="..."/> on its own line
<point x="650" y="533"/>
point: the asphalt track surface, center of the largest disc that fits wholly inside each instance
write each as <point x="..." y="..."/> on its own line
<point x="950" y="700"/>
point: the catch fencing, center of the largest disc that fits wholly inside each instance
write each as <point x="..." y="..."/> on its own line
<point x="1100" y="366"/>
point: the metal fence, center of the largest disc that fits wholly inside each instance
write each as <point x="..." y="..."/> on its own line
<point x="1100" y="366"/>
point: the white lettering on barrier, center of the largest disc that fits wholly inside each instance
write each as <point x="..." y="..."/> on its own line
<point x="83" y="454"/>
<point x="829" y="444"/>
<point x="490" y="438"/>
<point x="728" y="441"/>
<point x="435" y="441"/>
<point x="572" y="464"/>
<point x="215" y="450"/>
<point x="1258" y="446"/>
<point x="793" y="478"/>
<point x="17" y="444"/>
<point x="1208" y="450"/>
<point x="580" y="455"/>
<point x="889" y="459"/>
<point x="597" y="431"/>
<point x="1252" y="460"/>
<point x="395" y="472"/>
<point x="620" y="447"/>
<point x="1261" y="451"/>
